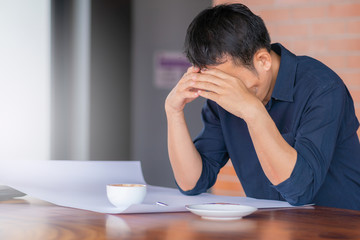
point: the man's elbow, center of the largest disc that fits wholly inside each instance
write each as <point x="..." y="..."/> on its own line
<point x="190" y="189"/>
<point x="299" y="200"/>
<point x="186" y="186"/>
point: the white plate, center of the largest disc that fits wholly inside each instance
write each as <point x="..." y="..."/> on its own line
<point x="221" y="211"/>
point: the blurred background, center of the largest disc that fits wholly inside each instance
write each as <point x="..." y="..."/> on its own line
<point x="87" y="79"/>
<point x="78" y="79"/>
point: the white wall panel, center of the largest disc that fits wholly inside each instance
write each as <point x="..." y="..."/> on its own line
<point x="24" y="79"/>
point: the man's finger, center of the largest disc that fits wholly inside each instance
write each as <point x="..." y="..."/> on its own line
<point x="208" y="95"/>
<point x="207" y="86"/>
<point x="208" y="78"/>
<point x="193" y="69"/>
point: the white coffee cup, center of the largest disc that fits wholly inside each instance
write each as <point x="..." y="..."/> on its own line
<point x="125" y="194"/>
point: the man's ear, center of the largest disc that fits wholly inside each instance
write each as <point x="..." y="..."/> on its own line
<point x="262" y="60"/>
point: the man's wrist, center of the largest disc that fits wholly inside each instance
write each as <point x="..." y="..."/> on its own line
<point x="254" y="115"/>
<point x="173" y="114"/>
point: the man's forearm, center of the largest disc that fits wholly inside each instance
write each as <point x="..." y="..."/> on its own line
<point x="276" y="156"/>
<point x="184" y="158"/>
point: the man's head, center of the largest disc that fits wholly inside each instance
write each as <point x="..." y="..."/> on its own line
<point x="226" y="31"/>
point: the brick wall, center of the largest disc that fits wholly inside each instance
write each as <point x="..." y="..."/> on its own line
<point x="328" y="30"/>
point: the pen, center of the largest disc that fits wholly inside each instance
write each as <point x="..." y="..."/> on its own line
<point x="162" y="204"/>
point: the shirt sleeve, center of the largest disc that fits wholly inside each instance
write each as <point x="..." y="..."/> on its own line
<point x="210" y="144"/>
<point x="315" y="142"/>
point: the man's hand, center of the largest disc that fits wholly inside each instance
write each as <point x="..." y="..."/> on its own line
<point x="183" y="92"/>
<point x="227" y="91"/>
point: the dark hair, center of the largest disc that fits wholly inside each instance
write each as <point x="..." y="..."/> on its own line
<point x="225" y="30"/>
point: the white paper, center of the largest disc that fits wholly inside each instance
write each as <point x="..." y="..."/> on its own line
<point x="82" y="185"/>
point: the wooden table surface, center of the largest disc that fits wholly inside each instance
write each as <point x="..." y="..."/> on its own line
<point x="34" y="219"/>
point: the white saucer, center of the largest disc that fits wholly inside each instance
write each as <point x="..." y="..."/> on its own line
<point x="221" y="211"/>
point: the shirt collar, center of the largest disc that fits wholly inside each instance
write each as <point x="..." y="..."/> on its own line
<point x="284" y="86"/>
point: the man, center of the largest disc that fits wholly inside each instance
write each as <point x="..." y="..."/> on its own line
<point x="286" y="122"/>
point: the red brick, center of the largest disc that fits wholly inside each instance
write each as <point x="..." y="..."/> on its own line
<point x="344" y="10"/>
<point x="272" y="28"/>
<point x="318" y="45"/>
<point x="225" y="185"/>
<point x="291" y="2"/>
<point x="285" y="42"/>
<point x="252" y="3"/>
<point x="278" y="14"/>
<point x="328" y="28"/>
<point x="353" y="88"/>
<point x="355" y="93"/>
<point x="300" y="2"/>
<point x="308" y="12"/>
<point x="227" y="178"/>
<point x="353" y="62"/>
<point x="357" y="112"/>
<point x="228" y="192"/>
<point x="249" y="3"/>
<point x="299" y="47"/>
<point x="218" y="2"/>
<point x="347" y="44"/>
<point x="233" y="188"/>
<point x="309" y="46"/>
<point x="227" y="182"/>
<point x="350" y="78"/>
<point x="292" y="30"/>
<point x="333" y="61"/>
<point x="353" y="27"/>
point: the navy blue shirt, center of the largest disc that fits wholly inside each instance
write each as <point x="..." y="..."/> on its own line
<point x="314" y="112"/>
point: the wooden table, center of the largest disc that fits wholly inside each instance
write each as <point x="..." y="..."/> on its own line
<point x="34" y="219"/>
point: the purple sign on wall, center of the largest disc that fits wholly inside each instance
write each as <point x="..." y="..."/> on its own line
<point x="169" y="67"/>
